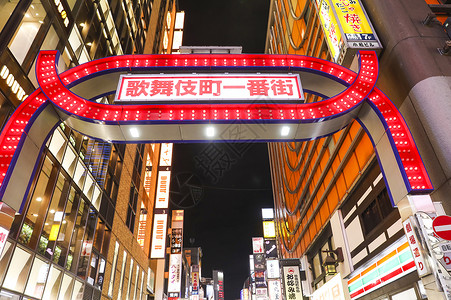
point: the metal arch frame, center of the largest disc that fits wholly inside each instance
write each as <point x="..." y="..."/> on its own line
<point x="27" y="130"/>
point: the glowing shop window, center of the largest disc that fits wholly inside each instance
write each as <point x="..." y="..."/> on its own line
<point x="36" y="281"/>
<point x="28" y="29"/>
<point x="66" y="287"/>
<point x="87" y="190"/>
<point x="57" y="145"/>
<point x="78" y="290"/>
<point x="17" y="274"/>
<point x="96" y="197"/>
<point x="70" y="160"/>
<point x="79" y="172"/>
<point x="53" y="283"/>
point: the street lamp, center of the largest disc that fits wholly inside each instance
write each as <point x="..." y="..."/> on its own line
<point x="332" y="259"/>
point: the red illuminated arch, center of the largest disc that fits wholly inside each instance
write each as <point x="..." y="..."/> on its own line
<point x="58" y="100"/>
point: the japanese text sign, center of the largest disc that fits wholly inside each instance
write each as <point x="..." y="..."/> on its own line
<point x="416" y="248"/>
<point x="332" y="289"/>
<point x="353" y="20"/>
<point x="174" y="279"/>
<point x="292" y="282"/>
<point x="158" y="247"/>
<point x="162" y="198"/>
<point x="235" y="87"/>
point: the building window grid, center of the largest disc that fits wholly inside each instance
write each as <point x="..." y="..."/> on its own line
<point x="62" y="197"/>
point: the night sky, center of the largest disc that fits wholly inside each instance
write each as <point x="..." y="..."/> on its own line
<point x="223" y="186"/>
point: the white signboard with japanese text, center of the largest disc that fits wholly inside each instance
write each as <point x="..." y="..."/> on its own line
<point x="274" y="289"/>
<point x="292" y="282"/>
<point x="331" y="290"/>
<point x="166" y="154"/>
<point x="416" y="248"/>
<point x="162" y="199"/>
<point x="201" y="87"/>
<point x="272" y="268"/>
<point x="158" y="247"/>
<point x="175" y="269"/>
<point x="257" y="245"/>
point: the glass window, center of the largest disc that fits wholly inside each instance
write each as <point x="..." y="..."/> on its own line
<point x="75" y="41"/>
<point x="58" y="145"/>
<point x="78" y="290"/>
<point x="88" y="188"/>
<point x="96" y="197"/>
<point x="121" y="280"/>
<point x="70" y="160"/>
<point x="50" y="42"/>
<point x="4" y="259"/>
<point x="80" y="174"/>
<point x="67" y="227"/>
<point x="6" y="9"/>
<point x="54" y="219"/>
<point x="140" y="290"/>
<point x="93" y="268"/>
<point x="34" y="218"/>
<point x="28" y="29"/>
<point x="129" y="285"/>
<point x="66" y="287"/>
<point x="17" y="274"/>
<point x="101" y="273"/>
<point x="53" y="283"/>
<point x="87" y="244"/>
<point x="113" y="270"/>
<point x="136" y="282"/>
<point x="8" y="295"/>
<point x="77" y="237"/>
<point x="36" y="281"/>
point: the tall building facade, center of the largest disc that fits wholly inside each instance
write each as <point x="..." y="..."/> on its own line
<point x="330" y="192"/>
<point x="84" y="230"/>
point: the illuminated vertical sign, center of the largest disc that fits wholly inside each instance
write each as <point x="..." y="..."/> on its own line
<point x="175" y="271"/>
<point x="355" y="24"/>
<point x="166" y="154"/>
<point x="162" y="198"/>
<point x="346" y="28"/>
<point x="148" y="175"/>
<point x="195" y="280"/>
<point x="218" y="285"/>
<point x="159" y="236"/>
<point x="142" y="224"/>
<point x="292" y="282"/>
<point x="274" y="290"/>
<point x="257" y="245"/>
<point x="272" y="269"/>
<point x="416" y="248"/>
<point x="269" y="230"/>
<point x="331" y="29"/>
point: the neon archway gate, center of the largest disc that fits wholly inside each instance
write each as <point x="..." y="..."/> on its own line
<point x="66" y="98"/>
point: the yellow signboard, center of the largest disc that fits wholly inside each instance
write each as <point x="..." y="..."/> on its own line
<point x="352" y="19"/>
<point x="331" y="28"/>
<point x="269" y="230"/>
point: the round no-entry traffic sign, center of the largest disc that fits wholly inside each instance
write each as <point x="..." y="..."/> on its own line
<point x="442" y="227"/>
